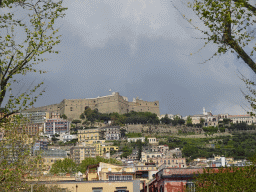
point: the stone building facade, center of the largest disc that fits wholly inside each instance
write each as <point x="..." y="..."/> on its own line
<point x="111" y="132"/>
<point x="73" y="108"/>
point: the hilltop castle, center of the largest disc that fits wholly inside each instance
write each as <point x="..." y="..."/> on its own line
<point x="73" y="108"/>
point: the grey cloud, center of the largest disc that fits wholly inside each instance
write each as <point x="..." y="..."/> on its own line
<point x="139" y="48"/>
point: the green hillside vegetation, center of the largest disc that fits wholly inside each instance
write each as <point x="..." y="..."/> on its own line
<point x="91" y="116"/>
<point x="239" y="146"/>
<point x="69" y="166"/>
<point x="119" y="119"/>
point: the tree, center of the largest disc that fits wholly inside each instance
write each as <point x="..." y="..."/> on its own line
<point x="126" y="151"/>
<point x="227" y="179"/>
<point x="165" y="120"/>
<point x="202" y="121"/>
<point x="122" y="132"/>
<point x="82" y="116"/>
<point x="92" y="161"/>
<point x="189" y="150"/>
<point x="16" y="161"/>
<point x="54" y="139"/>
<point x="63" y="116"/>
<point x="189" y="121"/>
<point x="230" y="25"/>
<point x="22" y="45"/>
<point x="76" y="121"/>
<point x="64" y="166"/>
<point x="23" y="42"/>
<point x="181" y="121"/>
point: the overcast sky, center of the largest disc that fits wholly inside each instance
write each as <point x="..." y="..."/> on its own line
<point x="140" y="48"/>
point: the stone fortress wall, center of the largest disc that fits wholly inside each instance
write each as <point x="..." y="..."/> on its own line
<point x="73" y="108"/>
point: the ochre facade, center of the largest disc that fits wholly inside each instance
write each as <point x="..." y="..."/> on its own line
<point x="73" y="108"/>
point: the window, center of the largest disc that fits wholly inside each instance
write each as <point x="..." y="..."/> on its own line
<point x="120" y="177"/>
<point x="190" y="186"/>
<point x="121" y="189"/>
<point x="97" y="189"/>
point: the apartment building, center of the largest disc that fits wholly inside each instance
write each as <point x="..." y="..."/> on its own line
<point x="173" y="179"/>
<point x="111" y="132"/>
<point x="79" y="153"/>
<point x="146" y="156"/>
<point x="90" y="134"/>
<point x="54" y="153"/>
<point x="169" y="162"/>
<point x="41" y="144"/>
<point x="52" y="126"/>
<point x="159" y="148"/>
<point x="101" y="146"/>
<point x="242" y="119"/>
<point x="36" y="117"/>
<point x="31" y="129"/>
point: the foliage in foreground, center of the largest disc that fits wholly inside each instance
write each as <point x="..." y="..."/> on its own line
<point x="227" y="179"/>
<point x="27" y="33"/>
<point x="230" y="25"/>
<point x="16" y="162"/>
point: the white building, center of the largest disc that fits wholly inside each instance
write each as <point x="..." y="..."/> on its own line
<point x="66" y="137"/>
<point x="135" y="139"/>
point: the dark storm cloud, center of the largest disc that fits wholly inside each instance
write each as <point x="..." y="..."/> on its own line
<point x="139" y="48"/>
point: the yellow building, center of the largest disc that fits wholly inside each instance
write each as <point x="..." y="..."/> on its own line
<point x="101" y="146"/>
<point x="90" y="134"/>
<point x="106" y="171"/>
<point x="94" y="141"/>
<point x="107" y="149"/>
<point x="99" y="186"/>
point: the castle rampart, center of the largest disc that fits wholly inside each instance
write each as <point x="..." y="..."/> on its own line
<point x="73" y="108"/>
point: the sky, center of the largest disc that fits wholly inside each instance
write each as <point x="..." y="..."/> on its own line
<point x="140" y="48"/>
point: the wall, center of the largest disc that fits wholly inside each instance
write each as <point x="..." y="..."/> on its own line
<point x="48" y="108"/>
<point x="107" y="186"/>
<point x="144" y="106"/>
<point x="173" y="186"/>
